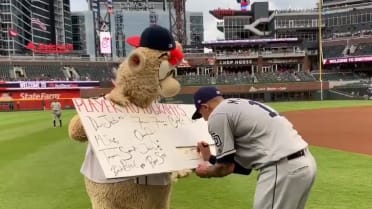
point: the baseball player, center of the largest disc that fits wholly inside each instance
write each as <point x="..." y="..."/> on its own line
<point x="55" y="106"/>
<point x="250" y="135"/>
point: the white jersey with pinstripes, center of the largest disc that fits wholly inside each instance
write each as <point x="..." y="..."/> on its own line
<point x="254" y="132"/>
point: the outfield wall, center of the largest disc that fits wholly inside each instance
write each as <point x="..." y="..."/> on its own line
<point x="36" y="99"/>
<point x="39" y="99"/>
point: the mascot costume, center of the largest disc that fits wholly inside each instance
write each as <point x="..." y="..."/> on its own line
<point x="144" y="76"/>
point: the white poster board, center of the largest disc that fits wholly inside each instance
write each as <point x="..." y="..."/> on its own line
<point x="130" y="141"/>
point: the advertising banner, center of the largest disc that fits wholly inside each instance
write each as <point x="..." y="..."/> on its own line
<point x="105" y="42"/>
<point x="36" y="99"/>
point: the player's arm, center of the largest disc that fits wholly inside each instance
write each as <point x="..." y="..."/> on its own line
<point x="221" y="167"/>
<point x="217" y="170"/>
<point x="204" y="150"/>
<point x="224" y="163"/>
<point x="238" y="169"/>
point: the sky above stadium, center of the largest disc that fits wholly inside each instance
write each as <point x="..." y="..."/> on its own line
<point x="211" y="32"/>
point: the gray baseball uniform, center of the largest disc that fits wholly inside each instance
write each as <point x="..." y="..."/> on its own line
<point x="261" y="139"/>
<point x="55" y="106"/>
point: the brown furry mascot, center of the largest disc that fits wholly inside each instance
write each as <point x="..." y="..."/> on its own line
<point x="142" y="78"/>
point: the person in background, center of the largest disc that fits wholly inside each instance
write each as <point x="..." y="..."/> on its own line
<point x="43" y="104"/>
<point x="249" y="135"/>
<point x="56" y="109"/>
<point x="18" y="105"/>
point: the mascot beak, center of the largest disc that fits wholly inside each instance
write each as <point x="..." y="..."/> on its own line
<point x="175" y="56"/>
<point x="134" y="41"/>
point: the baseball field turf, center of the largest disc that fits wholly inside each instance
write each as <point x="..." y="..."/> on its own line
<point x="39" y="169"/>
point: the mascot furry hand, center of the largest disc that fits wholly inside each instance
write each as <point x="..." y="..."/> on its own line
<point x="145" y="75"/>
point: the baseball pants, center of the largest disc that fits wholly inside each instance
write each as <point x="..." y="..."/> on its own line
<point x="57" y="115"/>
<point x="286" y="184"/>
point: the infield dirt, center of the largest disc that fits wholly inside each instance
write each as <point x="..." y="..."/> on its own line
<point x="348" y="129"/>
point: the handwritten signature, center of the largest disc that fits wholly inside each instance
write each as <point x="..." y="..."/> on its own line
<point x="104" y="121"/>
<point x="144" y="134"/>
<point x="157" y="159"/>
<point x="106" y="140"/>
<point x="143" y="151"/>
<point x="148" y="154"/>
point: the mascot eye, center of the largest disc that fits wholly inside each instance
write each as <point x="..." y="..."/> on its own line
<point x="164" y="70"/>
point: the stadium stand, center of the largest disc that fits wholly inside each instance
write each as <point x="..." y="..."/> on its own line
<point x="43" y="72"/>
<point x="244" y="77"/>
<point x="338" y="76"/>
<point x="88" y="73"/>
<point x="363" y="49"/>
<point x="333" y="51"/>
<point x="4" y="72"/>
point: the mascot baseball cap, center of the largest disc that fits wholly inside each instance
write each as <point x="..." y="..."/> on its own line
<point x="157" y="37"/>
<point x="203" y="95"/>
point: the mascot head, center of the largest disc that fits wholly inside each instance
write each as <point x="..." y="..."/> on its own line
<point x="148" y="71"/>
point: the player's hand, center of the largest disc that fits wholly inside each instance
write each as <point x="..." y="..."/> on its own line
<point x="202" y="170"/>
<point x="204" y="150"/>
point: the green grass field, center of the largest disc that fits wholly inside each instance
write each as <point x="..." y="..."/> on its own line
<point x="39" y="169"/>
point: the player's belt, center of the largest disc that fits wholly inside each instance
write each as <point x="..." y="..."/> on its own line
<point x="296" y="155"/>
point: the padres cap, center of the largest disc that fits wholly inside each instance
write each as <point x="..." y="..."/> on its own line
<point x="203" y="95"/>
<point x="157" y="37"/>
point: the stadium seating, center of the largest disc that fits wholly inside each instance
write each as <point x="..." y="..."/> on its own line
<point x="338" y="76"/>
<point x="43" y="72"/>
<point x="284" y="76"/>
<point x="4" y="72"/>
<point x="363" y="49"/>
<point x="244" y="77"/>
<point x="333" y="51"/>
<point x="87" y="73"/>
<point x="305" y="76"/>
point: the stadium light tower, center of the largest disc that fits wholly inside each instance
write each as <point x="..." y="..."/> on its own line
<point x="101" y="20"/>
<point x="178" y="20"/>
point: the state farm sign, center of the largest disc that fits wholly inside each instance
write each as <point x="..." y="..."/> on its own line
<point x="39" y="96"/>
